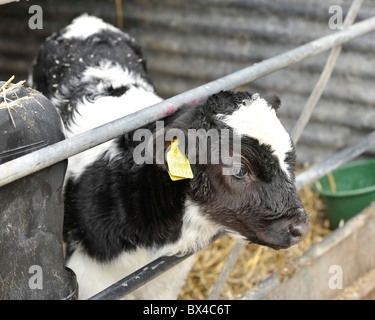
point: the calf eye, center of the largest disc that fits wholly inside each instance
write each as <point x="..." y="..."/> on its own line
<point x="239" y="172"/>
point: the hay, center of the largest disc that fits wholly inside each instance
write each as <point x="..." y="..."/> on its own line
<point x="11" y="104"/>
<point x="4" y="90"/>
<point x="256" y="263"/>
<point x="332" y="182"/>
<point x="119" y="14"/>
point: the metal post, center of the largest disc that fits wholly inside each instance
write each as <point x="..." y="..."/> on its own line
<point x="336" y="160"/>
<point x="40" y="159"/>
<point x="324" y="77"/>
<point x="225" y="272"/>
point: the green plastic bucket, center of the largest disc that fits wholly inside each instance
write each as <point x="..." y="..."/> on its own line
<point x="355" y="190"/>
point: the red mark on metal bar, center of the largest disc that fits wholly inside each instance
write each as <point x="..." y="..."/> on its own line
<point x="196" y="100"/>
<point x="170" y="110"/>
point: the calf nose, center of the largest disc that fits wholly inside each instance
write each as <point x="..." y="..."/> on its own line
<point x="298" y="231"/>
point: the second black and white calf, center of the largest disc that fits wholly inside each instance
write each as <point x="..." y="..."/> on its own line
<point x="120" y="215"/>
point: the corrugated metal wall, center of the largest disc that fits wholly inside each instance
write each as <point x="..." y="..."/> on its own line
<point x="190" y="42"/>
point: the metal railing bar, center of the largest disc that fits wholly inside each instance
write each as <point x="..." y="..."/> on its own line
<point x="295" y="134"/>
<point x="225" y="272"/>
<point x="338" y="159"/>
<point x="139" y="278"/>
<point x="40" y="159"/>
<point x="324" y="77"/>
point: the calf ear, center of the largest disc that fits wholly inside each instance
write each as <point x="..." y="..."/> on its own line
<point x="273" y="100"/>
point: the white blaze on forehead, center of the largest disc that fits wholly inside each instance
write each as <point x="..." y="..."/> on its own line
<point x="255" y="118"/>
<point x="84" y="26"/>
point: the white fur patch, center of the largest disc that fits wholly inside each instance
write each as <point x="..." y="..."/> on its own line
<point x="84" y="26"/>
<point x="258" y="120"/>
<point x="196" y="233"/>
<point x="93" y="276"/>
<point x="89" y="115"/>
<point x="110" y="73"/>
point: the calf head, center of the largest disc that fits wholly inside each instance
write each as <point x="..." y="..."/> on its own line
<point x="258" y="200"/>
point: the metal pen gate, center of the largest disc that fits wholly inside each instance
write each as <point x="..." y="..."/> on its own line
<point x="33" y="162"/>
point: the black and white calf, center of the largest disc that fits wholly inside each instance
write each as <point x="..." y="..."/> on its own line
<point x="120" y="215"/>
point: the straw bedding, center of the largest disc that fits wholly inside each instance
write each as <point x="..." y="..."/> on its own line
<point x="9" y="99"/>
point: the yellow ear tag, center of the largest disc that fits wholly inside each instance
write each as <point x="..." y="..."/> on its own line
<point x="178" y="165"/>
